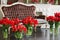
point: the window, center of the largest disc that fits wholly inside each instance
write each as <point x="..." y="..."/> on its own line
<point x="43" y="1"/>
<point x="11" y="1"/>
<point x="36" y="1"/>
<point x="32" y="1"/>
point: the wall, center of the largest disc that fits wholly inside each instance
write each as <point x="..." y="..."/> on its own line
<point x="47" y="9"/>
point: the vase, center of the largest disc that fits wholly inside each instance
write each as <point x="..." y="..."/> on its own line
<point x="29" y="31"/>
<point x="5" y="34"/>
<point x="18" y="39"/>
<point x="51" y="26"/>
<point x="56" y="27"/>
<point x="18" y="35"/>
<point x="51" y="29"/>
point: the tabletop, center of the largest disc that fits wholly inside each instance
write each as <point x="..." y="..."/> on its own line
<point x="40" y="34"/>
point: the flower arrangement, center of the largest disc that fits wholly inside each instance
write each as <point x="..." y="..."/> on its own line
<point x="19" y="27"/>
<point x="19" y="30"/>
<point x="5" y="22"/>
<point x="29" y="22"/>
<point x="50" y="20"/>
<point x="57" y="20"/>
<point x="54" y="20"/>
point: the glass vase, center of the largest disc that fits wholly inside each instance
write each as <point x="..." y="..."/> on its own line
<point x="5" y="34"/>
<point x="51" y="23"/>
<point x="18" y="35"/>
<point x="51" y="29"/>
<point x="29" y="31"/>
<point x="56" y="27"/>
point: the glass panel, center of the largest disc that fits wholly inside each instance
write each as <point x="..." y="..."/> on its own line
<point x="43" y="1"/>
<point x="58" y="2"/>
<point x="54" y="2"/>
<point x="11" y="1"/>
<point x="33" y="1"/>
<point x="25" y="1"/>
<point x="38" y="1"/>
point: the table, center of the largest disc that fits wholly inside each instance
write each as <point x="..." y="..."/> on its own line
<point x="41" y="34"/>
<point x="42" y="23"/>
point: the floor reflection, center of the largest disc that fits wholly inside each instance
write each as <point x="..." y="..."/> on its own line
<point x="44" y="34"/>
<point x="41" y="34"/>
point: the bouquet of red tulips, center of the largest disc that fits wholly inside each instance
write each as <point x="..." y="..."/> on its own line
<point x="17" y="27"/>
<point x="54" y="20"/>
<point x="50" y="20"/>
<point x="5" y="22"/>
<point x="19" y="30"/>
<point x="57" y="21"/>
<point x="29" y="22"/>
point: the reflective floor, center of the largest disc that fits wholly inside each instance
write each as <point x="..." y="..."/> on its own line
<point x="41" y="34"/>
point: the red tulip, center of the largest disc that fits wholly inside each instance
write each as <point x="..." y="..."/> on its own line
<point x="57" y="19"/>
<point x="50" y="18"/>
<point x="1" y="22"/>
<point x="16" y="20"/>
<point x="14" y="28"/>
<point x="5" y="21"/>
<point x="24" y="28"/>
<point x="30" y="20"/>
<point x="35" y="23"/>
<point x="57" y="14"/>
<point x="25" y="21"/>
<point x="19" y="28"/>
<point x="11" y="22"/>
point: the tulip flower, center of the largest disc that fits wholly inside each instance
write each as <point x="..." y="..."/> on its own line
<point x="29" y="20"/>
